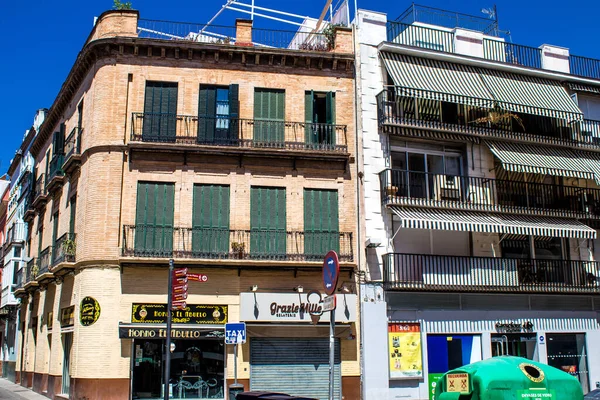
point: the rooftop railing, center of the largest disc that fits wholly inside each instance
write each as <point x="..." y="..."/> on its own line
<point x="215" y="243"/>
<point x="418" y="272"/>
<point x="238" y="132"/>
<point x="427" y="37"/>
<point x="485" y="194"/>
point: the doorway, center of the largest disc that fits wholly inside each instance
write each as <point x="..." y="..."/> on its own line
<point x="66" y="378"/>
<point x="515" y="344"/>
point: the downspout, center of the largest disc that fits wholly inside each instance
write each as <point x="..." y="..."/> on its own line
<point x="120" y="230"/>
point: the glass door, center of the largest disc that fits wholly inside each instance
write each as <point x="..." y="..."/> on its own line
<point x="66" y="378"/>
<point x="147" y="369"/>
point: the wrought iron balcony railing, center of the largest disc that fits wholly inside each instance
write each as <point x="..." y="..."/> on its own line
<point x="208" y="243"/>
<point x="422" y="109"/>
<point x="474" y="193"/>
<point x="238" y="132"/>
<point x="64" y="249"/>
<point x="418" y="272"/>
<point x="40" y="186"/>
<point x="32" y="270"/>
<point x="44" y="260"/>
<point x="55" y="168"/>
<point x="73" y="143"/>
<point x="495" y="49"/>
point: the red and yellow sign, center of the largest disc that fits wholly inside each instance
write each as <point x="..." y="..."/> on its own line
<point x="458" y="383"/>
<point x="404" y="350"/>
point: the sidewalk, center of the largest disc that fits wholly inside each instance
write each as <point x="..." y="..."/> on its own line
<point x="9" y="390"/>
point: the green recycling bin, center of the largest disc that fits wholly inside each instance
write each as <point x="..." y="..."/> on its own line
<point x="507" y="378"/>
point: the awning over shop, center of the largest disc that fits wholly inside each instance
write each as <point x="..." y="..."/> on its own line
<point x="517" y="157"/>
<point x="530" y="95"/>
<point x="437" y="80"/>
<point x="471" y="221"/>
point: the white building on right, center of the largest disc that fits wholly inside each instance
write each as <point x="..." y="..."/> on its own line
<point x="481" y="201"/>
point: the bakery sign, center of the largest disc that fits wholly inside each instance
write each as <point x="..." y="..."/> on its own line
<point x="192" y="314"/>
<point x="294" y="307"/>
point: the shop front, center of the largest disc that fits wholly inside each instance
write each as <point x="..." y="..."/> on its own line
<point x="197" y="351"/>
<point x="289" y="343"/>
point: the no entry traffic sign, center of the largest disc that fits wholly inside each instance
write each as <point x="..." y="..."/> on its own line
<point x="331" y="272"/>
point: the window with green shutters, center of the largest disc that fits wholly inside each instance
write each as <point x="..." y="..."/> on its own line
<point x="319" y="112"/>
<point x="154" y="219"/>
<point x="210" y="226"/>
<point x="269" y="117"/>
<point x="321" y="223"/>
<point x="218" y="114"/>
<point x="160" y="112"/>
<point x="267" y="223"/>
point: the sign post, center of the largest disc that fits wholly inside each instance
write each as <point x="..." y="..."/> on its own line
<point x="235" y="333"/>
<point x="168" y="339"/>
<point x="331" y="273"/>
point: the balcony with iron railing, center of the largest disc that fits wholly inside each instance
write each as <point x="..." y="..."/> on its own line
<point x="409" y="188"/>
<point x="56" y="175"/>
<point x="435" y="273"/>
<point x="44" y="259"/>
<point x="72" y="158"/>
<point x="29" y="213"/>
<point x="239" y="134"/>
<point x="416" y="34"/>
<point x="40" y="194"/>
<point x="415" y="108"/>
<point x="19" y="289"/>
<point x="31" y="274"/>
<point x="63" y="253"/>
<point x="146" y="241"/>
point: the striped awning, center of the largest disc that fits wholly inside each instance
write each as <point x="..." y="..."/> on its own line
<point x="530" y="95"/>
<point x="437" y="80"/>
<point x="557" y="161"/>
<point x="426" y="132"/>
<point x="578" y="87"/>
<point x="472" y="221"/>
<point x="592" y="161"/>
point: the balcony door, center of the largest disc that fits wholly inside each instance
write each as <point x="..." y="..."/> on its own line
<point x="321" y="223"/>
<point x="541" y="260"/>
<point x="269" y="117"/>
<point x="210" y="226"/>
<point x="319" y="108"/>
<point x="218" y="114"/>
<point x="268" y="234"/>
<point x="160" y="112"/>
<point x="154" y="219"/>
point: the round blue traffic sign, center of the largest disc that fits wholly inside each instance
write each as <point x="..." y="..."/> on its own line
<point x="331" y="272"/>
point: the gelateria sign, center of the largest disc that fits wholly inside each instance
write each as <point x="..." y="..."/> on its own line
<point x="294" y="307"/>
<point x="193" y="314"/>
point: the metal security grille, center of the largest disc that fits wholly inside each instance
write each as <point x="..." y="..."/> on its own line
<point x="297" y="367"/>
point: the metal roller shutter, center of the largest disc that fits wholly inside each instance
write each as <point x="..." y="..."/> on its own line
<point x="297" y="367"/>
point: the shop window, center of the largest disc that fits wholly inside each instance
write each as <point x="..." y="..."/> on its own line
<point x="515" y="344"/>
<point x="447" y="352"/>
<point x="568" y="352"/>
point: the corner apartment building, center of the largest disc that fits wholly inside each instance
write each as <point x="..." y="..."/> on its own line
<point x="21" y="172"/>
<point x="230" y="150"/>
<point x="480" y="195"/>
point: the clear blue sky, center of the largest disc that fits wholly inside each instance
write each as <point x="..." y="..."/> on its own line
<point x="42" y="38"/>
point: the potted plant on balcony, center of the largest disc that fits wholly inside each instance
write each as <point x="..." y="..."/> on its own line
<point x="238" y="249"/>
<point x="34" y="271"/>
<point x="69" y="248"/>
<point x="497" y="116"/>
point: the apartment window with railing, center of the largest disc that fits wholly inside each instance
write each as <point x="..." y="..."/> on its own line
<point x="321" y="222"/>
<point x="427" y="172"/>
<point x="319" y="109"/>
<point x="268" y="215"/>
<point x="160" y="112"/>
<point x="269" y="116"/>
<point x="218" y="113"/>
<point x="154" y="219"/>
<point x="210" y="220"/>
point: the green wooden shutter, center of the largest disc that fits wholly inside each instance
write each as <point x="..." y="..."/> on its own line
<point x="234" y="112"/>
<point x="207" y="110"/>
<point x="268" y="223"/>
<point x="160" y="112"/>
<point x="72" y="216"/>
<point x="154" y="219"/>
<point x="269" y="117"/>
<point x="321" y="222"/>
<point x="210" y="221"/>
<point x="310" y="133"/>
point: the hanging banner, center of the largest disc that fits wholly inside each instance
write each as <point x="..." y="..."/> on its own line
<point x="404" y="350"/>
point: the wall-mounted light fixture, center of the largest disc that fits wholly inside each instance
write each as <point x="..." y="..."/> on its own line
<point x="299" y="289"/>
<point x="254" y="288"/>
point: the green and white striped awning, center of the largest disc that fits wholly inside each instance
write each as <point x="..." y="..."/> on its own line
<point x="579" y="87"/>
<point x="557" y="161"/>
<point x="437" y="80"/>
<point x="592" y="161"/>
<point x="530" y="95"/>
<point x="472" y="221"/>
